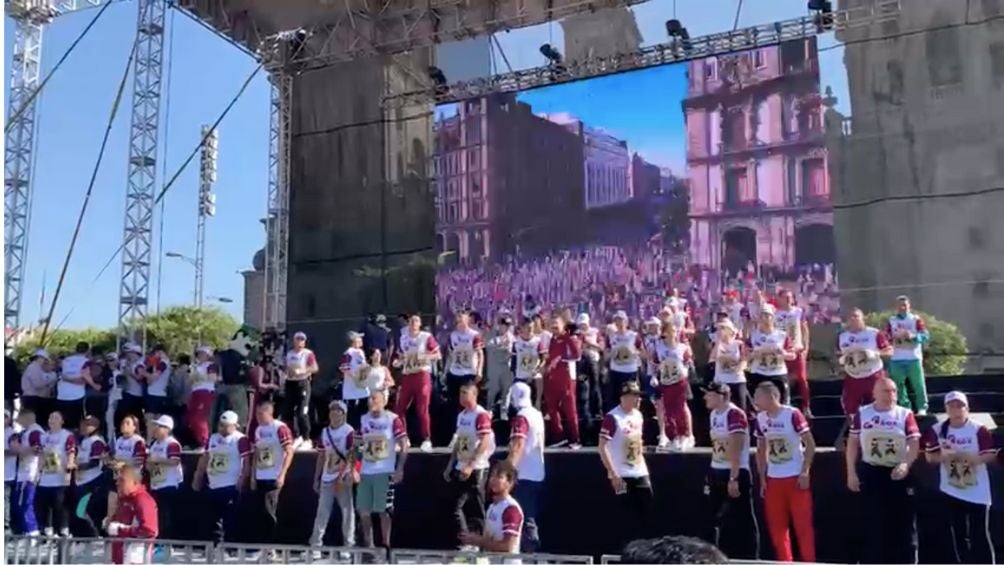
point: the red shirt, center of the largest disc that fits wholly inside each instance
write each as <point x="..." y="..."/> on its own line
<point x="138" y="512"/>
<point x="566" y="348"/>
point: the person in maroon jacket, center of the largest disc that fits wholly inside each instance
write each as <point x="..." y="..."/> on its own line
<point x="135" y="517"/>
<point x="559" y="385"/>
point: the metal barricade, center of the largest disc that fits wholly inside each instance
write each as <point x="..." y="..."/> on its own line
<point x="273" y="553"/>
<point x="38" y="550"/>
<point x="610" y="558"/>
<point x="412" y="556"/>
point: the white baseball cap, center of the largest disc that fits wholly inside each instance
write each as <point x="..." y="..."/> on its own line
<point x="957" y="395"/>
<point x="768" y="309"/>
<point x="582" y="319"/>
<point x="165" y="421"/>
<point x="352" y="336"/>
<point x="519" y="395"/>
<point x="300" y="335"/>
<point x="229" y="417"/>
<point x="132" y="348"/>
<point x="726" y="324"/>
<point x="620" y="315"/>
<point x="653" y="321"/>
<point x="42" y="353"/>
<point x="205" y="349"/>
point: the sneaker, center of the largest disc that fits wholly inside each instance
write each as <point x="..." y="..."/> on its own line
<point x="469" y="548"/>
<point x="198" y="450"/>
<point x="561" y="443"/>
<point x="676" y="445"/>
<point x="575" y="446"/>
<point x="663" y="442"/>
<point x="690" y="442"/>
<point x="426" y="446"/>
<point x="65" y="533"/>
<point x="305" y="445"/>
<point x="922" y="412"/>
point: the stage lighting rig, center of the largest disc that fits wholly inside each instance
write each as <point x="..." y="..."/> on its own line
<point x="822" y="11"/>
<point x="679" y="34"/>
<point x="554" y="60"/>
<point x="439" y="85"/>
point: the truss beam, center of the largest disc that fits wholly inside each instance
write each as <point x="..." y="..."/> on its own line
<point x="142" y="169"/>
<point x="277" y="220"/>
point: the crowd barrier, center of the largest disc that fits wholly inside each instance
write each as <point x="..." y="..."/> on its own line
<point x="474" y="558"/>
<point x="37" y="550"/>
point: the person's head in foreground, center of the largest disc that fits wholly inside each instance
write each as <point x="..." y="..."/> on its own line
<point x="501" y="479"/>
<point x="672" y="549"/>
<point x="129" y="480"/>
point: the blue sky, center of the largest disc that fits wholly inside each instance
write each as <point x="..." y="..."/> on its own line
<point x="206" y="73"/>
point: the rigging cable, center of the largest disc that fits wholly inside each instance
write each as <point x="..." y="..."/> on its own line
<point x="163" y="164"/>
<point x="34" y="94"/>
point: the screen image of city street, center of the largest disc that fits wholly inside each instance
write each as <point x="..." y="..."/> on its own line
<point x="708" y="177"/>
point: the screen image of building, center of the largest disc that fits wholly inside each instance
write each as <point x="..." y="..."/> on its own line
<point x="757" y="160"/>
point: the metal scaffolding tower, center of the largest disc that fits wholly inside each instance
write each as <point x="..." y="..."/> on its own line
<point x="142" y="176"/>
<point x="207" y="205"/>
<point x="277" y="222"/>
<point x="29" y="17"/>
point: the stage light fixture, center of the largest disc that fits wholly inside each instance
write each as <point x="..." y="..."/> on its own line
<point x="438" y="78"/>
<point x="823" y="14"/>
<point x="679" y="34"/>
<point x="552" y="54"/>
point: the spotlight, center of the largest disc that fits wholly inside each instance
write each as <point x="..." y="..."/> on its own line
<point x="440" y="88"/>
<point x="823" y="10"/>
<point x="676" y="31"/>
<point x="552" y="54"/>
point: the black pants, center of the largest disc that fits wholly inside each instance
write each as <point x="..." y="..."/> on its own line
<point x="588" y="397"/>
<point x="615" y="380"/>
<point x="734" y="525"/>
<point x="88" y="525"/>
<point x="298" y="407"/>
<point x="469" y="499"/>
<point x="220" y="515"/>
<point x="166" y="499"/>
<point x="970" y="529"/>
<point x="453" y="384"/>
<point x="636" y="509"/>
<point x="891" y="534"/>
<point x="50" y="507"/>
<point x="265" y="519"/>
<point x="356" y="408"/>
<point x="780" y="381"/>
<point x="72" y="411"/>
<point x="8" y="490"/>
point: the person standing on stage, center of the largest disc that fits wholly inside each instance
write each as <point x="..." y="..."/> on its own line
<point x="908" y="334"/>
<point x="673" y="361"/>
<point x="652" y="334"/>
<point x="166" y="473"/>
<point x="962" y="448"/>
<point x="589" y="393"/>
<point x="784" y="455"/>
<point x="87" y="481"/>
<point x="559" y="386"/>
<point x="29" y="450"/>
<point x="467" y="470"/>
<point x="498" y="366"/>
<point x="59" y="459"/>
<point x="622" y="454"/>
<point x="384" y="447"/>
<point x="38" y="383"/>
<point x="504" y="523"/>
<point x="11" y="446"/>
<point x="884" y="443"/>
<point x="134" y="372"/>
<point x="791" y="319"/>
<point x="624" y="348"/>
<point x="860" y="349"/>
<point x="74" y="380"/>
<point x="335" y="473"/>
<point x="355" y="372"/>
<point x="768" y="349"/>
<point x="526" y="454"/>
<point x="727" y="354"/>
<point x="301" y="366"/>
<point x="202" y="379"/>
<point x="466" y="360"/>
<point x="226" y="464"/>
<point x="416" y="353"/>
<point x="273" y="455"/>
<point x="528" y="354"/>
<point x="729" y="485"/>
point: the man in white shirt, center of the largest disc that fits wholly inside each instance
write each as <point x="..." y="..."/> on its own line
<point x="504" y="523"/>
<point x="301" y="366"/>
<point x="225" y="463"/>
<point x="163" y="462"/>
<point x="273" y="455"/>
<point x="355" y="372"/>
<point x="383" y="444"/>
<point x="335" y="474"/>
<point x="38" y="383"/>
<point x="622" y="453"/>
<point x="74" y="378"/>
<point x="10" y="448"/>
<point x="467" y="469"/>
<point x="526" y="453"/>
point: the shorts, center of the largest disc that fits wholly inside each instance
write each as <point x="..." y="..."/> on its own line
<point x="155" y="404"/>
<point x="374" y="494"/>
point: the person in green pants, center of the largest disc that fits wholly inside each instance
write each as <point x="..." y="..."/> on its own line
<point x="908" y="334"/>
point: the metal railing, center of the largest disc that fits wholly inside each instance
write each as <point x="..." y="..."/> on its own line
<point x="415" y="556"/>
<point x="272" y="553"/>
<point x="38" y="550"/>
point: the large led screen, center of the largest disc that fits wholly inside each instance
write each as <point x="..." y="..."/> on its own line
<point x="708" y="177"/>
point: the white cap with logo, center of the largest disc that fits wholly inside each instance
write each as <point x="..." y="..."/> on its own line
<point x="229" y="417"/>
<point x="958" y="396"/>
<point x="519" y="395"/>
<point x="165" y="421"/>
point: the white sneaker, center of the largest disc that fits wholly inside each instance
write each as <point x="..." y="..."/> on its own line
<point x="922" y="412"/>
<point x="305" y="445"/>
<point x="469" y="548"/>
<point x="426" y="446"/>
<point x="561" y="443"/>
<point x="663" y="442"/>
<point x="676" y="445"/>
<point x="691" y="442"/>
<point x="575" y="446"/>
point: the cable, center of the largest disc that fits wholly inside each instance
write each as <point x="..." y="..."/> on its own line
<point x="163" y="165"/>
<point x="739" y="10"/>
<point x="31" y="97"/>
<point x="177" y="173"/>
<point x="910" y="33"/>
<point x="912" y="197"/>
<point x="90" y="190"/>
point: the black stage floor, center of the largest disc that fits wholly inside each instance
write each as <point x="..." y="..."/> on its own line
<point x="578" y="513"/>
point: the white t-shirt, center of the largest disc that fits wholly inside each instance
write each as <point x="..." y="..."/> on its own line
<point x="204" y="376"/>
<point x="463" y="346"/>
<point x="724" y="423"/>
<point x="131" y="450"/>
<point x="297" y="363"/>
<point x="906" y="348"/>
<point x="10" y="439"/>
<point x="790" y="322"/>
<point x="337" y="442"/>
<point x="270" y="441"/>
<point x="474" y="426"/>
<point x="529" y="353"/>
<point x="92" y="449"/>
<point x="159" y="378"/>
<point x="883" y="434"/>
<point x="673" y="362"/>
<point x="134" y="387"/>
<point x="859" y="352"/>
<point x="163" y="475"/>
<point x="728" y="363"/>
<point x="356" y="370"/>
<point x="768" y="352"/>
<point x="27" y="465"/>
<point x="226" y="459"/>
<point x="623" y="431"/>
<point x="625" y="351"/>
<point x="529" y="425"/>
<point x="781" y="436"/>
<point x="415" y="352"/>
<point x="504" y="518"/>
<point x="73" y="366"/>
<point x="56" y="450"/>
<point x="958" y="479"/>
<point x="378" y="435"/>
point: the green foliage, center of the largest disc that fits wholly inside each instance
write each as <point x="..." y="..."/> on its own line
<point x="63" y="342"/>
<point x="674" y="218"/>
<point x="945" y="351"/>
<point x="180" y="329"/>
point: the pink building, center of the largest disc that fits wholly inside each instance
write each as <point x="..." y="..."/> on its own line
<point x="757" y="161"/>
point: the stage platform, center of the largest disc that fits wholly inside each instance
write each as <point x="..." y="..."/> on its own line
<point x="579" y="515"/>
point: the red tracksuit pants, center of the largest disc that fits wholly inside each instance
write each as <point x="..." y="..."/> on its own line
<point x="197" y="415"/>
<point x="798" y="378"/>
<point x="416" y="389"/>
<point x="786" y="505"/>
<point x="559" y="404"/>
<point x="674" y="405"/>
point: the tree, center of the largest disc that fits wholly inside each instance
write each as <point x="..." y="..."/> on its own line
<point x="945" y="352"/>
<point x="63" y="342"/>
<point x="674" y="217"/>
<point x="180" y="329"/>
